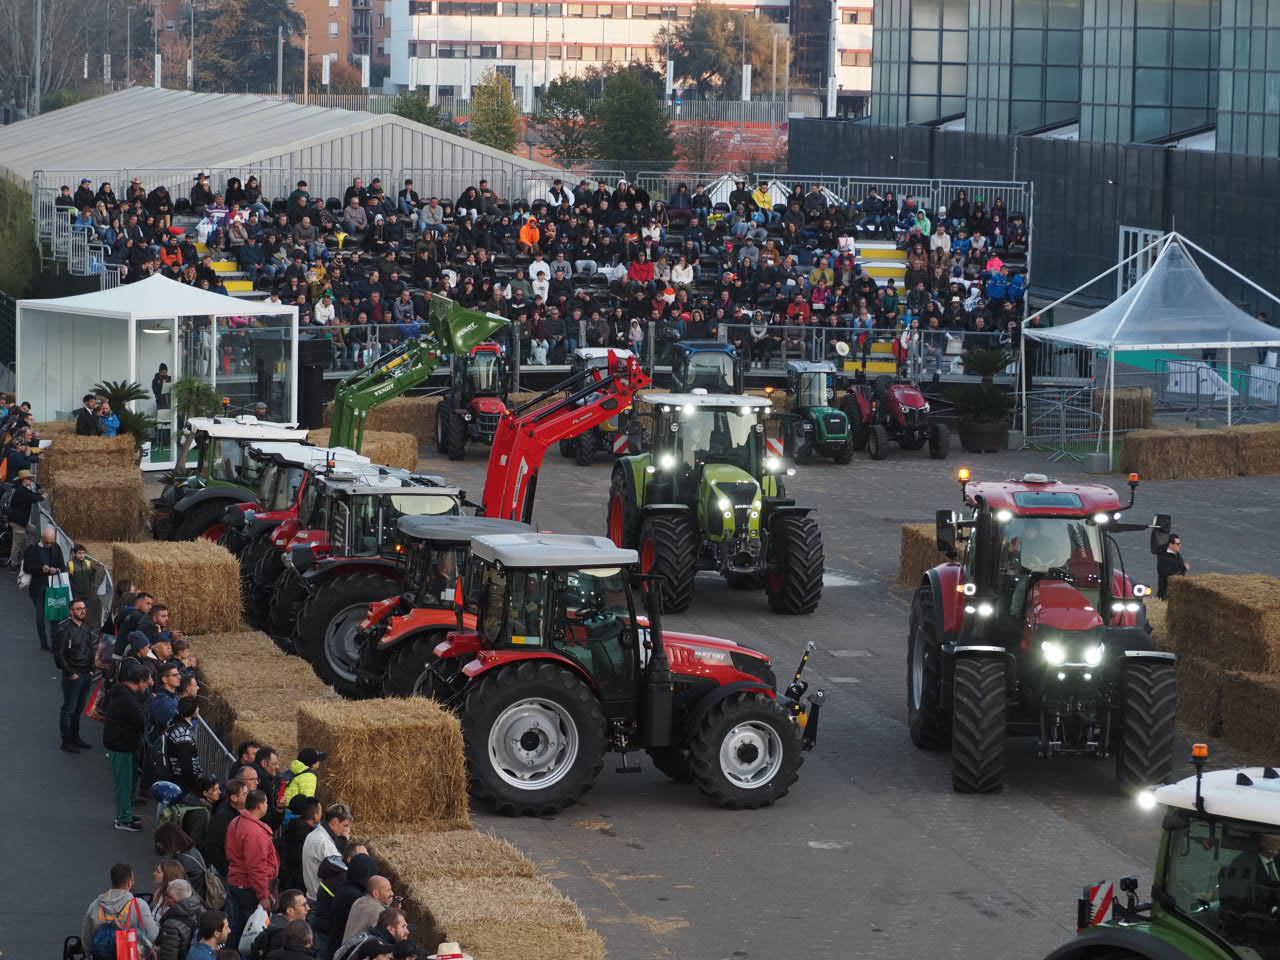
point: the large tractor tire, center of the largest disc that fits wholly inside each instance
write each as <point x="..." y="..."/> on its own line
<point x="878" y="442"/>
<point x="857" y="428"/>
<point x="794" y="582"/>
<point x="535" y="738"/>
<point x="566" y="448"/>
<point x="939" y="441"/>
<point x="201" y="519"/>
<point x="843" y="453"/>
<point x="1148" y="724"/>
<point x="673" y="762"/>
<point x="584" y="448"/>
<point x="328" y="624"/>
<point x="443" y="413"/>
<point x="250" y="557"/>
<point x="455" y="437"/>
<point x="622" y="519"/>
<point x="746" y="753"/>
<point x="287" y="597"/>
<point x="801" y="447"/>
<point x="669" y="549"/>
<point x="407" y="674"/>
<point x="262" y="582"/>
<point x="978" y="725"/>
<point x="926" y="719"/>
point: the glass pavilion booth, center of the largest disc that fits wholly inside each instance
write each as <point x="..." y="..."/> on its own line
<point x="246" y="349"/>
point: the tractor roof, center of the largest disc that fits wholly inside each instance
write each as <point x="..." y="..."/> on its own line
<point x="705" y="400"/>
<point x="457" y="529"/>
<point x="1036" y="495"/>
<point x="807" y="366"/>
<point x="705" y="346"/>
<point x="551" y="550"/>
<point x="245" y="427"/>
<point x="304" y="454"/>
<point x="379" y="480"/>
<point x="601" y="353"/>
<point x="1243" y="793"/>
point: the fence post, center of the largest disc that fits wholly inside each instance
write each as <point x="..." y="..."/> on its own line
<point x="515" y="356"/>
<point x="650" y="336"/>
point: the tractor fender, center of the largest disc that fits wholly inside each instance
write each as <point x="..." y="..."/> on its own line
<point x="259" y="527"/>
<point x="420" y="621"/>
<point x="209" y="494"/>
<point x="1150" y="656"/>
<point x="789" y="509"/>
<point x="1104" y="941"/>
<point x="487" y="660"/>
<point x="948" y="602"/>
<point x="342" y="566"/>
<point x="951" y="652"/>
<point x="709" y="699"/>
<point x="666" y="507"/>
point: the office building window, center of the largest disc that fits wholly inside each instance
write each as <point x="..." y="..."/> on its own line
<point x="449" y="8"/>
<point x="849" y="17"/>
<point x="855" y="58"/>
<point x="420" y="48"/>
<point x="1248" y="95"/>
<point x="420" y="7"/>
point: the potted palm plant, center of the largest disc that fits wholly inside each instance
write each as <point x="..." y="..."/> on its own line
<point x="983" y="409"/>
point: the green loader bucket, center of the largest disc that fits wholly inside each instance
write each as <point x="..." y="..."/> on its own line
<point x="458" y="328"/>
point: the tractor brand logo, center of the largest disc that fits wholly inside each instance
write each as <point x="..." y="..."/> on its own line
<point x="463" y="331"/>
<point x="580" y="418"/>
<point x="517" y="488"/>
<point x="384" y="388"/>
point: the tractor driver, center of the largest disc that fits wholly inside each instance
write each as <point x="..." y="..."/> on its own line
<point x="1249" y="896"/>
<point x="1030" y="555"/>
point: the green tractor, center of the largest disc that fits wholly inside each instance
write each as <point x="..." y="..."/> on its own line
<point x="707" y="495"/>
<point x="815" y="426"/>
<point x="1216" y="891"/>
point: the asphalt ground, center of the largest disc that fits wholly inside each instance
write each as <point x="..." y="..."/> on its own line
<point x="870" y="856"/>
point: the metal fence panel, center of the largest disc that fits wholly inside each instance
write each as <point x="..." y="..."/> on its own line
<point x="215" y="758"/>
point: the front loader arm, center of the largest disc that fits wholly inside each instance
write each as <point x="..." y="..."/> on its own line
<point x="454" y="330"/>
<point x="524" y="435"/>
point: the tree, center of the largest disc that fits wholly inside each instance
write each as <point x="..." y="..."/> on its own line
<point x="494" y="117"/>
<point x="632" y="129"/>
<point x="697" y="143"/>
<point x="236" y="48"/>
<point x="344" y="77"/>
<point x="17" y="246"/>
<point x="418" y="107"/>
<point x="566" y="123"/>
<point x="708" y="51"/>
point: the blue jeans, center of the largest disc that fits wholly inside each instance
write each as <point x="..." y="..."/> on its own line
<point x="74" y="694"/>
<point x="241" y="902"/>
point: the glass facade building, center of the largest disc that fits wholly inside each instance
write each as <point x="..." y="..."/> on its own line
<point x="919" y="58"/>
<point x="1249" y="77"/>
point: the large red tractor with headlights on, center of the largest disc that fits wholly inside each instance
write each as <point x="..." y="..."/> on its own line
<point x="1034" y="628"/>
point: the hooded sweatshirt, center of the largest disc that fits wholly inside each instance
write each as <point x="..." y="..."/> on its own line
<point x="359" y="870"/>
<point x="106" y="907"/>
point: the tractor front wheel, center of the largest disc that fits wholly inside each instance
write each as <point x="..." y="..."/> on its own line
<point x="282" y="612"/>
<point x="794" y="581"/>
<point x="1148" y="724"/>
<point x="535" y="738"/>
<point x="746" y="753"/>
<point x="329" y="623"/>
<point x="878" y="442"/>
<point x="566" y="448"/>
<point x="622" y="519"/>
<point x="844" y="452"/>
<point x="201" y="519"/>
<point x="978" y="726"/>
<point x="669" y="549"/>
<point x="584" y="449"/>
<point x="939" y="441"/>
<point x="408" y="671"/>
<point x="443" y="412"/>
<point x="925" y="718"/>
<point x="455" y="436"/>
<point x="857" y="428"/>
<point x="262" y="581"/>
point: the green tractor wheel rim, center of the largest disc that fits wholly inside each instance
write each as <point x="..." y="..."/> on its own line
<point x="751" y="755"/>
<point x="533" y="744"/>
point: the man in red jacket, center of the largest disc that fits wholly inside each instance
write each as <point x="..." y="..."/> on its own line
<point x="252" y="863"/>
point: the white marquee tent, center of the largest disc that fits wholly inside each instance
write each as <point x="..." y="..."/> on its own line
<point x="67" y="344"/>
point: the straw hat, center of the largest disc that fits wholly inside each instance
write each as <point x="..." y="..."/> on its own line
<point x="449" y="951"/>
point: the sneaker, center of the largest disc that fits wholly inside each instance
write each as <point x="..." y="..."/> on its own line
<point x="81" y="744"/>
<point x="68" y="747"/>
<point x="132" y="826"/>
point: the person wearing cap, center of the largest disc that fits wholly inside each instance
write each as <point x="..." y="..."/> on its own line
<point x="25" y="496"/>
<point x="84" y="195"/>
<point x="302" y="775"/>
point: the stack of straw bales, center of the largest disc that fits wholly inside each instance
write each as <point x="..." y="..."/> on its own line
<point x="49" y="429"/>
<point x="387" y="449"/>
<point x="87" y="456"/>
<point x="413" y="415"/>
<point x="919" y="553"/>
<point x="107" y="504"/>
<point x="1258" y="448"/>
<point x="1181" y="454"/>
<point x="1226" y="632"/>
<point x="198" y="580"/>
<point x="1133" y="408"/>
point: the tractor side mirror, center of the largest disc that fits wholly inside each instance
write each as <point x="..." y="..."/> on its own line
<point x="945" y="532"/>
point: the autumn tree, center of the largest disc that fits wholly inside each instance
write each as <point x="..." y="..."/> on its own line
<point x="565" y="121"/>
<point x="237" y="44"/>
<point x="709" y="48"/>
<point x="417" y="106"/>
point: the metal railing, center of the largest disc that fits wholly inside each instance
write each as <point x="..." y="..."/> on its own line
<point x="1064" y="423"/>
<point x="215" y="758"/>
<point x="43" y="517"/>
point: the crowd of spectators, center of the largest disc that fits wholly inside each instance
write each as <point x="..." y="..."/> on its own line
<point x="589" y="265"/>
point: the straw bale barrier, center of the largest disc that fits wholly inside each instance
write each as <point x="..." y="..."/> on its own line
<point x="1250" y="705"/>
<point x="1231" y="620"/>
<point x="1180" y="454"/>
<point x="99" y="550"/>
<point x="1157" y="616"/>
<point x="246" y="678"/>
<point x="919" y="553"/>
<point x="387" y="449"/>
<point x="417" y="738"/>
<point x="87" y="455"/>
<point x="48" y="429"/>
<point x="1134" y="410"/>
<point x="103" y="504"/>
<point x="524" y="941"/>
<point x="410" y="854"/>
<point x="198" y="580"/>
<point x="1200" y="690"/>
<point x="1258" y="448"/>
<point x="415" y="415"/>
<point x="280" y="734"/>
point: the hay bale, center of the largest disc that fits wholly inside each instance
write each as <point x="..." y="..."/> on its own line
<point x="365" y="739"/>
<point x="466" y="910"/>
<point x="919" y="553"/>
<point x="1134" y="410"/>
<point x="511" y="941"/>
<point x="387" y="449"/>
<point x="49" y="429"/>
<point x="273" y="733"/>
<point x="455" y="854"/>
<point x="198" y="580"/>
<point x="87" y="455"/>
<point x="106" y="503"/>
<point x="1157" y="616"/>
<point x="1250" y="705"/>
<point x="99" y="551"/>
<point x="1180" y="454"/>
<point x="1258" y="448"/>
<point x="1231" y="620"/>
<point x="1200" y="686"/>
<point x="246" y="678"/>
<point x="415" y="415"/>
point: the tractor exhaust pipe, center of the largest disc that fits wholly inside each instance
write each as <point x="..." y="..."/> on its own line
<point x="659" y="688"/>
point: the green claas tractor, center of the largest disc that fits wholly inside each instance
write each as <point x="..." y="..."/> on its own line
<point x="1216" y="891"/>
<point x="816" y="426"/>
<point x="708" y="496"/>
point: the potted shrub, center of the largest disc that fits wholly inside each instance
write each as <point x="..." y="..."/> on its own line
<point x="983" y="409"/>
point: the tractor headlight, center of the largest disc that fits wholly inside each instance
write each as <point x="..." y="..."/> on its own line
<point x="985" y="609"/>
<point x="755" y="514"/>
<point x="1140" y="590"/>
<point x="1054" y="652"/>
<point x="1004" y="516"/>
<point x="666" y="461"/>
<point x="772" y="464"/>
<point x="1147" y="800"/>
<point x="969" y="589"/>
<point x="466" y="416"/>
<point x="791" y="471"/>
<point x="1132" y="607"/>
<point x="723" y="503"/>
<point x="651" y="469"/>
<point x="925" y="408"/>
<point x="1093" y="656"/>
<point x="687" y="409"/>
<point x="1102" y="519"/>
<point x="728" y="514"/>
<point x="746" y="411"/>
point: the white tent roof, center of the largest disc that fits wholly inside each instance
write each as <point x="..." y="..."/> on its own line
<point x="155" y="298"/>
<point x="1172" y="307"/>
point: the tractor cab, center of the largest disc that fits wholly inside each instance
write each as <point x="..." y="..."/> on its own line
<point x="816" y="425"/>
<point x="617" y="436"/>
<point x="708" y="365"/>
<point x="710" y="447"/>
<point x="479" y="382"/>
<point x="1217" y="874"/>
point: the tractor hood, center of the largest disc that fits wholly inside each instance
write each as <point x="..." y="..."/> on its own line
<point x="907" y="396"/>
<point x="493" y="405"/>
<point x="1057" y="605"/>
<point x="740" y="487"/>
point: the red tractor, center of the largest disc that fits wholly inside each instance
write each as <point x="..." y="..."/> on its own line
<point x="469" y="413"/>
<point x="560" y="668"/>
<point x="1034" y="628"/>
<point x="887" y="409"/>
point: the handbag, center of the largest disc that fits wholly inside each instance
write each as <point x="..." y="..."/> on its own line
<point x="57" y="597"/>
<point x="94" y="706"/>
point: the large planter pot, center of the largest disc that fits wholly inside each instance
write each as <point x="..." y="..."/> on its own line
<point x="984" y="437"/>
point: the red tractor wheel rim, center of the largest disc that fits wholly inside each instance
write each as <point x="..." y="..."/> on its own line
<point x="646" y="556"/>
<point x="615" y="519"/>
<point x="214" y="533"/>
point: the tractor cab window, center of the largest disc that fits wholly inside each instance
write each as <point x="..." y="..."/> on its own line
<point x="226" y="460"/>
<point x="185" y="452"/>
<point x="397" y="506"/>
<point x="314" y="509"/>
<point x="526" y="606"/>
<point x="711" y="370"/>
<point x="595" y="628"/>
<point x="1225" y="875"/>
<point x="363" y="539"/>
<point x="1048" y="548"/>
<point x="812" y="390"/>
<point x="433" y="572"/>
<point x="265" y="486"/>
<point x="287" y="485"/>
<point x="714" y="435"/>
<point x="484" y="371"/>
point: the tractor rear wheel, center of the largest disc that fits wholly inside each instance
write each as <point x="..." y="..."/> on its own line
<point x="622" y="519"/>
<point x="202" y="519"/>
<point x="566" y="448"/>
<point x="673" y="762"/>
<point x="939" y="441"/>
<point x="443" y="412"/>
<point x="801" y="447"/>
<point x="407" y="671"/>
<point x="878" y="441"/>
<point x="925" y="717"/>
<point x="250" y="557"/>
<point x="282" y="613"/>
<point x="746" y="752"/>
<point x="794" y="581"/>
<point x="978" y="726"/>
<point x="329" y="622"/>
<point x="584" y="449"/>
<point x="455" y="437"/>
<point x="1148" y="724"/>
<point x="535" y="738"/>
<point x="669" y="549"/>
<point x="857" y="428"/>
